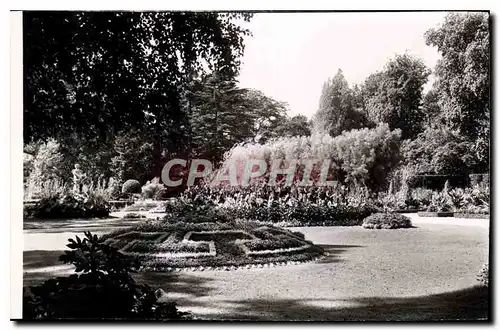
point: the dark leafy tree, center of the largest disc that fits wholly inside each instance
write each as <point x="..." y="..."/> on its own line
<point x="223" y="114"/>
<point x="394" y="96"/>
<point x="94" y="74"/>
<point x="463" y="77"/>
<point x="338" y="110"/>
<point x="134" y="157"/>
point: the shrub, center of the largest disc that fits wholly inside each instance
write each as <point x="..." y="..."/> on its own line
<point x="67" y="204"/>
<point x="386" y="221"/>
<point x="299" y="234"/>
<point x="151" y="189"/>
<point x="104" y="289"/>
<point x="162" y="194"/>
<point x="131" y="186"/>
<point x="483" y="275"/>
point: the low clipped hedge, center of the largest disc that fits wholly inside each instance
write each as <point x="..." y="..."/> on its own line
<point x="131" y="186"/>
<point x="386" y="221"/>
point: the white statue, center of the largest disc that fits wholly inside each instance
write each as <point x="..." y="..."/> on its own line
<point x="78" y="178"/>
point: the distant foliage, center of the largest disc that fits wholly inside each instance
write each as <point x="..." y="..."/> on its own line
<point x="135" y="156"/>
<point x="463" y="70"/>
<point x="114" y="188"/>
<point x="387" y="221"/>
<point x="463" y="79"/>
<point x="223" y="114"/>
<point x="131" y="186"/>
<point x="296" y="126"/>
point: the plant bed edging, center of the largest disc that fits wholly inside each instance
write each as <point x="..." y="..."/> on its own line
<point x="435" y="214"/>
<point x="407" y="211"/>
<point x="231" y="267"/>
<point x="465" y="215"/>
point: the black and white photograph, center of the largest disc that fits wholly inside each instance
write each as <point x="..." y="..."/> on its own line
<point x="254" y="166"/>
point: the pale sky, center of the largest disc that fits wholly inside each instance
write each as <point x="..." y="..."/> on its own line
<point x="291" y="55"/>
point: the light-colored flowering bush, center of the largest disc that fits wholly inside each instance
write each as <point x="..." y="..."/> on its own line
<point x="46" y="167"/>
<point x="151" y="189"/>
<point x="359" y="158"/>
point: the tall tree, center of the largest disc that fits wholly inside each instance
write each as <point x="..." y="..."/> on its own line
<point x="463" y="76"/>
<point x="223" y="114"/>
<point x="394" y="95"/>
<point x="95" y="74"/>
<point x="337" y="108"/>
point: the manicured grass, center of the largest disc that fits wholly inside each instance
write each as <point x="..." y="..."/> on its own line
<point x="424" y="273"/>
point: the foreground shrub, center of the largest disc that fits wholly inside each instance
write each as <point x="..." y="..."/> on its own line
<point x="104" y="289"/>
<point x="131" y="186"/>
<point x="483" y="275"/>
<point x="386" y="221"/>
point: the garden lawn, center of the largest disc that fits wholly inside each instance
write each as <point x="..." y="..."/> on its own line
<point x="421" y="273"/>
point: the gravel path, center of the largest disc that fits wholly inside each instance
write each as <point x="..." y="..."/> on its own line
<point x="427" y="272"/>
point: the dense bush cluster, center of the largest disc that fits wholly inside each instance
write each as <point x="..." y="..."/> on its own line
<point x="101" y="288"/>
<point x="386" y="221"/>
<point x="283" y="205"/>
<point x="67" y="204"/>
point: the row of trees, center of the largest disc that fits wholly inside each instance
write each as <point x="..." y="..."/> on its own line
<point x="122" y="92"/>
<point x="445" y="130"/>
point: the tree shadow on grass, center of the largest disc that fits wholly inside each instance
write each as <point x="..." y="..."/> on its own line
<point x="41" y="259"/>
<point x="193" y="285"/>
<point x="334" y="252"/>
<point x="467" y="304"/>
